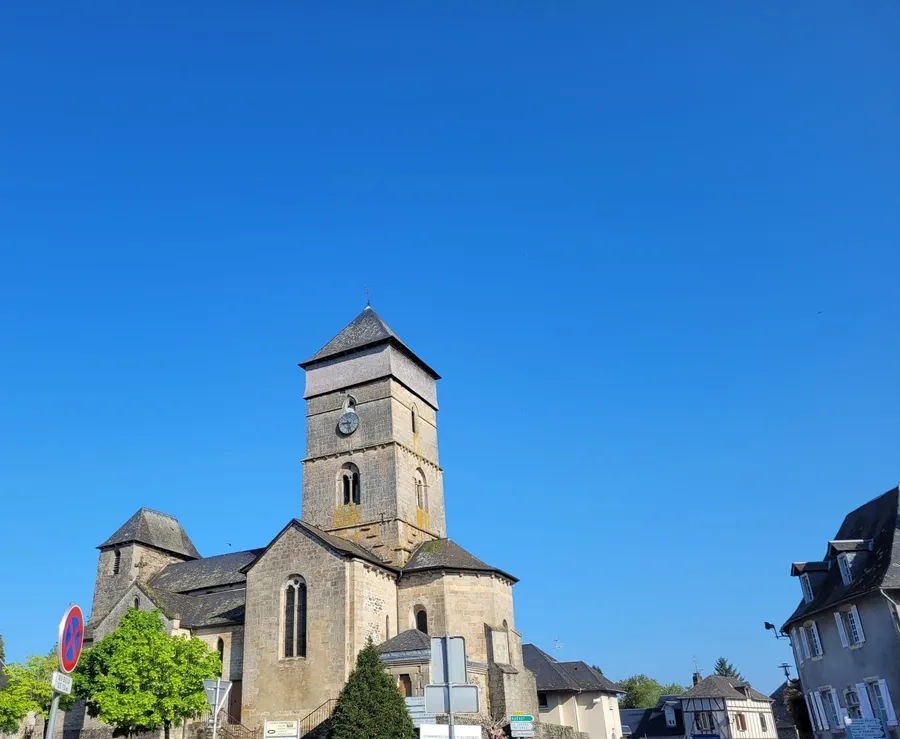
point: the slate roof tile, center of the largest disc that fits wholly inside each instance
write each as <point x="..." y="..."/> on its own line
<point x="447" y="554"/>
<point x="208" y="572"/>
<point x="553" y="676"/>
<point x="155" y="529"/>
<point x="411" y="640"/>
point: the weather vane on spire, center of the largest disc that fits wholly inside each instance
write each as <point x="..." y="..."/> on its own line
<point x="368" y="298"/>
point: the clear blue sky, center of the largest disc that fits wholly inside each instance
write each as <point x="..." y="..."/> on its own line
<point x="652" y="248"/>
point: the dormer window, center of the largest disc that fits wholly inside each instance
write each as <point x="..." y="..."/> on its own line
<point x="844" y="565"/>
<point x="806" y="587"/>
<point x="670" y="716"/>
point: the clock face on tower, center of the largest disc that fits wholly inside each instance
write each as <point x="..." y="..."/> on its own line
<point x="348" y="423"/>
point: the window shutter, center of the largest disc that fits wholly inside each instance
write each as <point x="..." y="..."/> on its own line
<point x="854" y="614"/>
<point x="841" y="713"/>
<point x="865" y="706"/>
<point x="888" y="704"/>
<point x="823" y="715"/>
<point x="811" y="709"/>
<point x="841" y="630"/>
<point x="805" y="640"/>
<point x="816" y="639"/>
<point x="795" y="643"/>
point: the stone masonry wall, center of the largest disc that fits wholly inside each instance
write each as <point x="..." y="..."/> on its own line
<point x="422" y="589"/>
<point x="233" y="640"/>
<point x="373" y="605"/>
<point x="275" y="687"/>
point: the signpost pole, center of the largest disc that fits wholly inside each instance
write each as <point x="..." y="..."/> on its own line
<point x="451" y="732"/>
<point x="51" y="720"/>
<point x="215" y="709"/>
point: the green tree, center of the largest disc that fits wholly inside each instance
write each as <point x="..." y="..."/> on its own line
<point x="644" y="692"/>
<point x="726" y="669"/>
<point x="27" y="689"/>
<point x="597" y="669"/>
<point x="796" y="705"/>
<point x="138" y="678"/>
<point x="370" y="705"/>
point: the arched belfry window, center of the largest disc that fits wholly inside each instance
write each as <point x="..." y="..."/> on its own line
<point x="421" y="489"/>
<point x="349" y="485"/>
<point x="421" y="619"/>
<point x="295" y="617"/>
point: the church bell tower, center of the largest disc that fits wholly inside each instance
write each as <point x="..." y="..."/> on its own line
<point x="371" y="473"/>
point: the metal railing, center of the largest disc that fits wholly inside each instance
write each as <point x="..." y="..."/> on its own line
<point x="315" y="718"/>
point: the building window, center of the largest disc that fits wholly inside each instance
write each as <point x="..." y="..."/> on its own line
<point x="764" y="725"/>
<point x="740" y="722"/>
<point x="421" y="619"/>
<point x="295" y="617"/>
<point x="421" y="490"/>
<point x="220" y="648"/>
<point x="412" y="419"/>
<point x="850" y="627"/>
<point x="349" y="486"/>
<point x="405" y="684"/>
<point x="880" y="699"/>
<point x="542" y="702"/>
<point x="806" y="587"/>
<point x="117" y="561"/>
<point x="829" y="701"/>
<point x="137" y="603"/>
<point x="387" y="628"/>
<point x="812" y="638"/>
<point x="844" y="565"/>
<point x="703" y="722"/>
<point x="670" y="716"/>
<point x="852" y="699"/>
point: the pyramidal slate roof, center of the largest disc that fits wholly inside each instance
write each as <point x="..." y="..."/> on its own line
<point x="155" y="529"/>
<point x="553" y="676"/>
<point x="876" y="521"/>
<point x="366" y="330"/>
<point x="718" y="686"/>
<point x="446" y="554"/>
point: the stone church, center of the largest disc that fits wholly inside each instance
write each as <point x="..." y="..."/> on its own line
<point x="370" y="558"/>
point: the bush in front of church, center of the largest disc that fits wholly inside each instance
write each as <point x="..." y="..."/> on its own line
<point x="370" y="705"/>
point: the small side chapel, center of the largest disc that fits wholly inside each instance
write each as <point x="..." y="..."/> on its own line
<point x="370" y="556"/>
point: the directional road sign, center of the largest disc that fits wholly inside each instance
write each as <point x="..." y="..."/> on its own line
<point x="71" y="635"/>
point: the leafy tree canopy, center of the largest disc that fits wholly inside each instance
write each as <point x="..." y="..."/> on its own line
<point x="370" y="705"/>
<point x="726" y="669"/>
<point x="644" y="692"/>
<point x="138" y="678"/>
<point x="28" y="689"/>
<point x="597" y="669"/>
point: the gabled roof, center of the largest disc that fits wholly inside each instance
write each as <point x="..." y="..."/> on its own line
<point x="214" y="609"/>
<point x="880" y="568"/>
<point x="718" y="686"/>
<point x="411" y="640"/>
<point x="553" y="676"/>
<point x="799" y="568"/>
<point x="208" y="572"/>
<point x="853" y="545"/>
<point x="366" y="330"/>
<point x="154" y="529"/>
<point x="335" y="543"/>
<point x="446" y="554"/>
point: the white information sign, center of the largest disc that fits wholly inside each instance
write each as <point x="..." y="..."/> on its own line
<point x="281" y="729"/>
<point x="442" y="731"/>
<point x="416" y="709"/>
<point x="866" y="728"/>
<point x="61" y="683"/>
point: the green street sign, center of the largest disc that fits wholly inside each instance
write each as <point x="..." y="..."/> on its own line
<point x="513" y="719"/>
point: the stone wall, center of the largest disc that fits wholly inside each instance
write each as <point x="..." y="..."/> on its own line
<point x="108" y="623"/>
<point x="233" y="641"/>
<point x="275" y="687"/>
<point x="373" y="608"/>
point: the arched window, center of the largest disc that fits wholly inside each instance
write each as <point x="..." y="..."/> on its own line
<point x="295" y="617"/>
<point x="137" y="603"/>
<point x="349" y="485"/>
<point x="350" y="403"/>
<point x="220" y="648"/>
<point x="421" y="490"/>
<point x="421" y="619"/>
<point x="117" y="560"/>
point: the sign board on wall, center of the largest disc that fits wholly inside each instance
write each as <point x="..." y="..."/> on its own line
<point x="866" y="728"/>
<point x="416" y="709"/>
<point x="281" y="729"/>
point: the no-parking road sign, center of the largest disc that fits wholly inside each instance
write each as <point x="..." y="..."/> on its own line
<point x="71" y="636"/>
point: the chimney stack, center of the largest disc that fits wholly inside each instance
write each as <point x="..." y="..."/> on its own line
<point x="697" y="678"/>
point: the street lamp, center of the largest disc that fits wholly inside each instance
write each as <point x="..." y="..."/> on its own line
<point x="774" y="630"/>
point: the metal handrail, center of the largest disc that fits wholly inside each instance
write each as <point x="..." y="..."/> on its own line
<point x="317" y="716"/>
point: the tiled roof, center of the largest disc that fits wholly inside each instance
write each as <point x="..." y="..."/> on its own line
<point x="155" y="529"/>
<point x="215" y="609"/>
<point x="208" y="572"/>
<point x="650" y="722"/>
<point x="411" y="640"/>
<point x="879" y="568"/>
<point x="447" y="554"/>
<point x="717" y="686"/>
<point x="553" y="676"/>
<point x="366" y="330"/>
